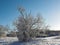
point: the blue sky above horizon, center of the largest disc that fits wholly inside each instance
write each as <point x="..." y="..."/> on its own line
<point x="49" y="9"/>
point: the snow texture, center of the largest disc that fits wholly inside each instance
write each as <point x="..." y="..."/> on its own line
<point x="38" y="41"/>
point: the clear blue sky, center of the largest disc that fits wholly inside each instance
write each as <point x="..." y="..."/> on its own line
<point x="49" y="9"/>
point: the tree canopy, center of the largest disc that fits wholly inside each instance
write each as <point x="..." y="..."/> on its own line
<point x="27" y="24"/>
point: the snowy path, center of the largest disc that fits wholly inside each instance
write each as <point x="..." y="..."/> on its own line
<point x="37" y="41"/>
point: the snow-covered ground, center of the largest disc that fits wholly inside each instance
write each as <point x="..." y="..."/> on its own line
<point x="7" y="40"/>
<point x="37" y="41"/>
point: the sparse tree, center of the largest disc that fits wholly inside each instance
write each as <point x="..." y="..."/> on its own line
<point x="3" y="30"/>
<point x="27" y="24"/>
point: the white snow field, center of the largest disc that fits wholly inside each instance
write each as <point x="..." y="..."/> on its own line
<point x="55" y="40"/>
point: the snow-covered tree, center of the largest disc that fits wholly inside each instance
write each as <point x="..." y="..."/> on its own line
<point x="27" y="24"/>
